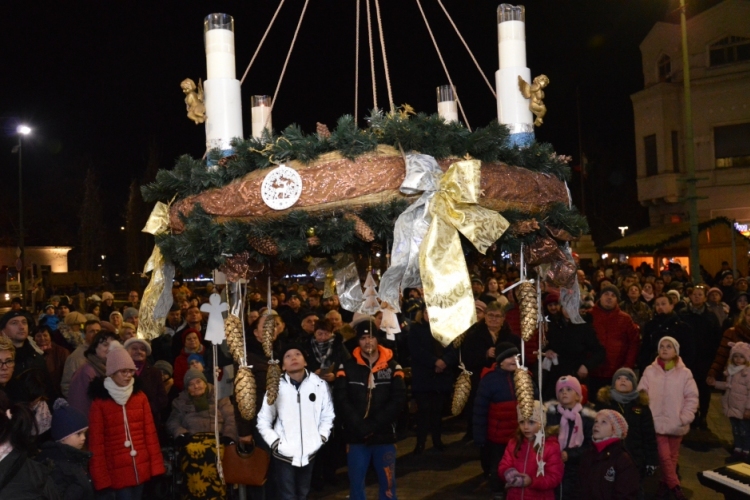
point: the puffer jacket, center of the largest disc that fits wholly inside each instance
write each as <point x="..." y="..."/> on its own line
<point x="608" y="475"/>
<point x="495" y="416"/>
<point x="641" y="439"/>
<point x="27" y="479"/>
<point x="673" y="397"/>
<point x="69" y="468"/>
<point x="112" y="465"/>
<point x="620" y="338"/>
<point x="542" y="487"/>
<point x="369" y="415"/>
<point x="299" y="421"/>
<point x="736" y="398"/>
<point x="184" y="419"/>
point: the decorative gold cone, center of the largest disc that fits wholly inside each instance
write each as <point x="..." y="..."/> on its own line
<point x="461" y="391"/>
<point x="458" y="340"/>
<point x="361" y="229"/>
<point x="524" y="392"/>
<point x="264" y="245"/>
<point x="235" y="340"/>
<point x="529" y="311"/>
<point x="272" y="381"/>
<point x="245" y="392"/>
<point x="269" y="326"/>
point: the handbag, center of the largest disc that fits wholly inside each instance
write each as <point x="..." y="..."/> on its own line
<point x="250" y="469"/>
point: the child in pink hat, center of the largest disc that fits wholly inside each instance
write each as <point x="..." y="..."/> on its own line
<point x="736" y="399"/>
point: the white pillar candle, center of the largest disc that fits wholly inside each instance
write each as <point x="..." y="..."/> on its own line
<point x="261" y="113"/>
<point x="222" y="89"/>
<point x="447" y="105"/>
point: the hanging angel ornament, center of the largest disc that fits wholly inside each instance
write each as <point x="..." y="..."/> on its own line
<point x="215" y="327"/>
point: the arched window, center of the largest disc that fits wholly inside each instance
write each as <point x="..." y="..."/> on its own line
<point x="665" y="68"/>
<point x="728" y="50"/>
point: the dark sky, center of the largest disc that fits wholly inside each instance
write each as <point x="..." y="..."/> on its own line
<point x="99" y="83"/>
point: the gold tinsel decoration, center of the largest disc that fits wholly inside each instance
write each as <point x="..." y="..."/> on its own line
<point x="269" y="326"/>
<point x="529" y="310"/>
<point x="361" y="229"/>
<point x="235" y="340"/>
<point x="524" y="392"/>
<point x="264" y="245"/>
<point x="245" y="392"/>
<point x="273" y="378"/>
<point x="461" y="390"/>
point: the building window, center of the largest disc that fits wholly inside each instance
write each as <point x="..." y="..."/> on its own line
<point x="729" y="49"/>
<point x="675" y="152"/>
<point x="652" y="162"/>
<point x="665" y="68"/>
<point x="732" y="145"/>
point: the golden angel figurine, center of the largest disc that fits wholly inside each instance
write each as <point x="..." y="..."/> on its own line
<point x="534" y="92"/>
<point x="196" y="110"/>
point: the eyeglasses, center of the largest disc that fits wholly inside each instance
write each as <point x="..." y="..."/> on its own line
<point x="8" y="363"/>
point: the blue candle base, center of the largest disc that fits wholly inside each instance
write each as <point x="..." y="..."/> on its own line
<point x="211" y="162"/>
<point x="521" y="139"/>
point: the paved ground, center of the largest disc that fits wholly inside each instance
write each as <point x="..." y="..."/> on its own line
<point x="456" y="474"/>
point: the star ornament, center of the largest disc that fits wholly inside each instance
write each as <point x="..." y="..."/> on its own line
<point x="540" y="468"/>
<point x="539" y="438"/>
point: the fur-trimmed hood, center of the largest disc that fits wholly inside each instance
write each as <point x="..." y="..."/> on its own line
<point x="606" y="397"/>
<point x="98" y="391"/>
<point x="586" y="410"/>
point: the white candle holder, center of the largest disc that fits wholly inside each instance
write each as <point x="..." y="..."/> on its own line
<point x="446" y="103"/>
<point x="261" y="113"/>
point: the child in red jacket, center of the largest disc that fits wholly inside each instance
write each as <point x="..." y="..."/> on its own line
<point x="526" y="475"/>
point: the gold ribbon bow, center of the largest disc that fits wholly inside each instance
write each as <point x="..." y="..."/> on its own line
<point x="447" y="287"/>
<point x="157" y="298"/>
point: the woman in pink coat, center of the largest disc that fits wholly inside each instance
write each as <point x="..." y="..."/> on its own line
<point x="673" y="399"/>
<point x="519" y="464"/>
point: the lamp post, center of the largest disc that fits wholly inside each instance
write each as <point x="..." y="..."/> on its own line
<point x="22" y="130"/>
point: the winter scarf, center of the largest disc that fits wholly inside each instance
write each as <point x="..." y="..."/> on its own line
<point x="668" y="365"/>
<point x="200" y="402"/>
<point x="600" y="445"/>
<point x="624" y="398"/>
<point x="322" y="352"/>
<point x="99" y="366"/>
<point x="733" y="369"/>
<point x="576" y="439"/>
<point x="647" y="296"/>
<point x="119" y="394"/>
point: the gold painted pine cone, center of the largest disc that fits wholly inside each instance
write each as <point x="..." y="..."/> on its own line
<point x="361" y="229"/>
<point x="524" y="392"/>
<point x="245" y="391"/>
<point x="233" y="329"/>
<point x="269" y="326"/>
<point x="272" y="382"/>
<point x="461" y="390"/>
<point x="264" y="245"/>
<point x="529" y="310"/>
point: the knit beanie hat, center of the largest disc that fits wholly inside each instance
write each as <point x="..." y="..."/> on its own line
<point x="480" y="306"/>
<point x="536" y="415"/>
<point x="674" y="343"/>
<point x="108" y="296"/>
<point x="115" y="313"/>
<point x="288" y="347"/>
<point x="74" y="317"/>
<point x="674" y="293"/>
<point x="118" y="359"/>
<point x="164" y="366"/>
<point x="626" y="372"/>
<point x="193" y="374"/>
<point x="617" y="421"/>
<point x="551" y="298"/>
<point x="505" y="350"/>
<point x="366" y="327"/>
<point x="129" y="313"/>
<point x="136" y="340"/>
<point x="742" y="348"/>
<point x="570" y="382"/>
<point x="610" y="288"/>
<point x="196" y="357"/>
<point x="66" y="420"/>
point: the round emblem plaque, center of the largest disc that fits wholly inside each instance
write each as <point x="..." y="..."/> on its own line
<point x="281" y="188"/>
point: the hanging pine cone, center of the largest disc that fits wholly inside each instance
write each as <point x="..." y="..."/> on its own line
<point x="529" y="310"/>
<point x="361" y="229"/>
<point x="322" y="130"/>
<point x="459" y="340"/>
<point x="524" y="392"/>
<point x="235" y="342"/>
<point x="313" y="241"/>
<point x="264" y="245"/>
<point x="269" y="326"/>
<point x="273" y="378"/>
<point x="245" y="392"/>
<point x="461" y="390"/>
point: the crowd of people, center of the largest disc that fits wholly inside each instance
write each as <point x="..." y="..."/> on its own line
<point x="87" y="407"/>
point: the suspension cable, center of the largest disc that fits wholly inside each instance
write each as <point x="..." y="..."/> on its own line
<point x="385" y="59"/>
<point x="356" y="66"/>
<point x="372" y="58"/>
<point x="261" y="41"/>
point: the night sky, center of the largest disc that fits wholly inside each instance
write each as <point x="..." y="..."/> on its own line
<point x="99" y="84"/>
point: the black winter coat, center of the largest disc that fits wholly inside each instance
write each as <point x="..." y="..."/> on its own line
<point x="609" y="475"/>
<point x="707" y="333"/>
<point x="474" y="348"/>
<point x="641" y="439"/>
<point x="339" y="353"/>
<point x="425" y="351"/>
<point x="25" y="479"/>
<point x="369" y="415"/>
<point x="664" y="325"/>
<point x="70" y="470"/>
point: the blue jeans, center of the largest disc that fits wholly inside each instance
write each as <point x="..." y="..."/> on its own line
<point x="292" y="483"/>
<point x="131" y="493"/>
<point x="740" y="433"/>
<point x="383" y="458"/>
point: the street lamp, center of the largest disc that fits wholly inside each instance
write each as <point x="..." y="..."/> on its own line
<point x="22" y="130"/>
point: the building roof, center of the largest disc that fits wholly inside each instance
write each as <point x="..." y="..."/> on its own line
<point x="654" y="238"/>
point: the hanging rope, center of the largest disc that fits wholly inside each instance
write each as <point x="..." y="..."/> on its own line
<point x="445" y="68"/>
<point x="372" y="58"/>
<point x="450" y="19"/>
<point x="244" y="75"/>
<point x="356" y="66"/>
<point x="385" y="59"/>
<point x="286" y="62"/>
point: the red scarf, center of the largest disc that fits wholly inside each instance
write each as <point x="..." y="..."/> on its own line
<point x="600" y="445"/>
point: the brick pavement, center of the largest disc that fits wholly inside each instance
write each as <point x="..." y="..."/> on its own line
<point x="455" y="474"/>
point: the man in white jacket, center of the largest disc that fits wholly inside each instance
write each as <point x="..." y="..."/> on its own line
<point x="296" y="425"/>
